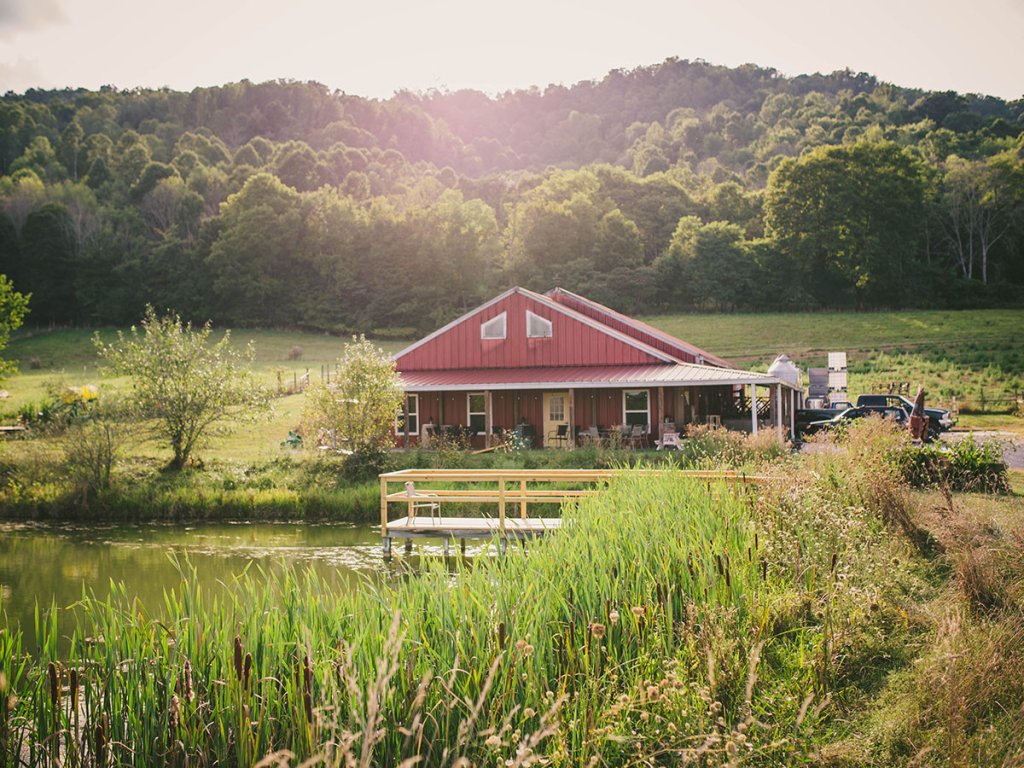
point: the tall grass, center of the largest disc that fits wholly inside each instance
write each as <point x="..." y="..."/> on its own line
<point x="671" y="621"/>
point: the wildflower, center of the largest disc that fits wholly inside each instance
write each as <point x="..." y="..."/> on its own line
<point x="597" y="630"/>
<point x="529" y="712"/>
<point x="527" y="650"/>
<point x="520" y="645"/>
<point x="639" y="610"/>
<point x="493" y="741"/>
<point x="613" y="617"/>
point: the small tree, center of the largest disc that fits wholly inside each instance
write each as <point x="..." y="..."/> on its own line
<point x="357" y="410"/>
<point x="13" y="308"/>
<point x="190" y="385"/>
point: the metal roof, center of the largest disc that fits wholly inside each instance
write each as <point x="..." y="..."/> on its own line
<point x="584" y="377"/>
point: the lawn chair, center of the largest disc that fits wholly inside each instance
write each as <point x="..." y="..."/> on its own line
<point x="423" y="503"/>
<point x="560" y="435"/>
<point x="637" y="434"/>
<point x="668" y="440"/>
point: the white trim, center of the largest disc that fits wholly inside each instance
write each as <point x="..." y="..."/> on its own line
<point x="498" y="320"/>
<point x="470" y="413"/>
<point x="550" y="304"/>
<point x="626" y="392"/>
<point x="545" y="324"/>
<point x="400" y="428"/>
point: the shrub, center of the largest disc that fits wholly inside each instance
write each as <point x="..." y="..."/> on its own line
<point x="91" y="451"/>
<point x="295" y="353"/>
<point x="965" y="465"/>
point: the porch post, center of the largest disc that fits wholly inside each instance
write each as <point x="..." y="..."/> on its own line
<point x="570" y="440"/>
<point x="661" y="413"/>
<point x="792" y="413"/>
<point x="778" y="411"/>
<point x="489" y="421"/>
<point x="440" y="409"/>
<point x="753" y="408"/>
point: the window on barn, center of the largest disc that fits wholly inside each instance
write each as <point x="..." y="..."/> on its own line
<point x="413" y="411"/>
<point x="537" y="327"/>
<point x="493" y="328"/>
<point x="477" y="404"/>
<point x="636" y="406"/>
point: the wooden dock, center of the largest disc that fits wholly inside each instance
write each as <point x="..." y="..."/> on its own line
<point x="508" y="492"/>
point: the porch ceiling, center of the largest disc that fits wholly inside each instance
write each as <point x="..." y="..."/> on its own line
<point x="592" y="377"/>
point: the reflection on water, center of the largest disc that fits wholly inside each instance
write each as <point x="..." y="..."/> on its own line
<point x="55" y="564"/>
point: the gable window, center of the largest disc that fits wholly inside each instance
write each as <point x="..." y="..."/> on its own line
<point x="537" y="327"/>
<point x="412" y="406"/>
<point x="493" y="328"/>
<point x="477" y="413"/>
<point x="636" y="406"/>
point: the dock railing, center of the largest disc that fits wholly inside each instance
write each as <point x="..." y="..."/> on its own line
<point x="516" y="487"/>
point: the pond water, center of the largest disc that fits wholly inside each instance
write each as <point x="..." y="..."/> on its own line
<point x="49" y="564"/>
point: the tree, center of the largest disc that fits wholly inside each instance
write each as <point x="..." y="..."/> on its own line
<point x="978" y="203"/>
<point x="13" y="308"/>
<point x="357" y="409"/>
<point x="188" y="384"/>
<point x="850" y="219"/>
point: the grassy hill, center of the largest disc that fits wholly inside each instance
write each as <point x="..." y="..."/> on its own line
<point x="954" y="354"/>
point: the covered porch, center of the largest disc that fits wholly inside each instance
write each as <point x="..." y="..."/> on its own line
<point x="627" y="406"/>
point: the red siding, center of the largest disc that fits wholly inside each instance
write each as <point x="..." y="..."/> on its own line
<point x="572" y="343"/>
<point x="633" y="328"/>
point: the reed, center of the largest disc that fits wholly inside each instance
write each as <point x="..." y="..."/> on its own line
<point x="656" y="625"/>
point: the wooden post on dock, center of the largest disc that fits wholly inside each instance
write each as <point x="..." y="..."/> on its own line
<point x="384" y="515"/>
<point x="501" y="505"/>
<point x="522" y="499"/>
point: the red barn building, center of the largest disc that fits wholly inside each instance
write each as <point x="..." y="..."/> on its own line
<point x="559" y="367"/>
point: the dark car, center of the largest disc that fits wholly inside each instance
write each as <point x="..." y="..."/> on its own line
<point x="939" y="419"/>
<point x="853" y="414"/>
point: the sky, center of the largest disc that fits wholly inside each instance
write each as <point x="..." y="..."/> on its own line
<point x="374" y="48"/>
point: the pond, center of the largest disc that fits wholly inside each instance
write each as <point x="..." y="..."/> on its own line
<point x="52" y="564"/>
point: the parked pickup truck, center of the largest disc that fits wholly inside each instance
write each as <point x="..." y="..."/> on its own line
<point x="939" y="418"/>
<point x="805" y="416"/>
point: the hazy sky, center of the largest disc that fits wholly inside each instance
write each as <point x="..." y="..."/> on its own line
<point x="375" y="48"/>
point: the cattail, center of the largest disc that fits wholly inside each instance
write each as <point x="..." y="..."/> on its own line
<point x="501" y="635"/>
<point x="51" y="670"/>
<point x="238" y="657"/>
<point x="721" y="570"/>
<point x="307" y="674"/>
<point x="756" y="546"/>
<point x="247" y="670"/>
<point x="764" y="570"/>
<point x="835" y="558"/>
<point x="173" y="716"/>
<point x="100" y="738"/>
<point x="73" y="690"/>
<point x="188" y="691"/>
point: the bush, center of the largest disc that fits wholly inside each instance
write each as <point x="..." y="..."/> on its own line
<point x="965" y="465"/>
<point x="295" y="353"/>
<point x="90" y="454"/>
<point x="707" y="446"/>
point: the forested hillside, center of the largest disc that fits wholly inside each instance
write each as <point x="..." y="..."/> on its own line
<point x="673" y="187"/>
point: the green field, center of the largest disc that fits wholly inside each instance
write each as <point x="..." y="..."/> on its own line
<point x="964" y="354"/>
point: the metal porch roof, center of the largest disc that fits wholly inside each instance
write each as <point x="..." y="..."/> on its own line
<point x="604" y="376"/>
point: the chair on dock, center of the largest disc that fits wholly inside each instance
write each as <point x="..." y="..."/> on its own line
<point x="424" y="502"/>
